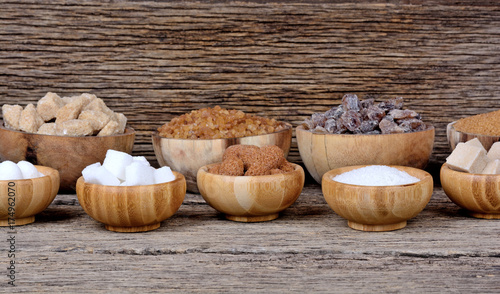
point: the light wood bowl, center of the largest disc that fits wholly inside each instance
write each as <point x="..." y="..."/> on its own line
<point x="251" y="198"/>
<point x="188" y="155"/>
<point x="131" y="208"/>
<point x="323" y="152"/>
<point x="69" y="155"/>
<point x="478" y="194"/>
<point x="28" y="197"/>
<point x="454" y="137"/>
<point x="377" y="208"/>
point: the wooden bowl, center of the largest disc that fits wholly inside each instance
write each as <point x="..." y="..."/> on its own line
<point x="188" y="155"/>
<point x="478" y="194"/>
<point x="69" y="155"/>
<point x="131" y="208"/>
<point x="23" y="199"/>
<point x="454" y="137"/>
<point x="323" y="152"/>
<point x="251" y="198"/>
<point x="377" y="208"/>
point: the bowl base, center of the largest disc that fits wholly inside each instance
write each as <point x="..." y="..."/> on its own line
<point x="483" y="215"/>
<point x="376" y="228"/>
<point x="133" y="229"/>
<point x="18" y="221"/>
<point x="252" y="219"/>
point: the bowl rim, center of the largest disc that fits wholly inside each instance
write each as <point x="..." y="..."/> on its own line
<point x="327" y="177"/>
<point x="128" y="131"/>
<point x="446" y="166"/>
<point x="51" y="169"/>
<point x="288" y="127"/>
<point x="430" y="127"/>
<point x="178" y="177"/>
<point x="297" y="168"/>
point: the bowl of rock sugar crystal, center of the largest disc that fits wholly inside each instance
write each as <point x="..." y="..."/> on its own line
<point x="377" y="197"/>
<point x="127" y="194"/>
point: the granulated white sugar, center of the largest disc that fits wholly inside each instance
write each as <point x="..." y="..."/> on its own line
<point x="376" y="175"/>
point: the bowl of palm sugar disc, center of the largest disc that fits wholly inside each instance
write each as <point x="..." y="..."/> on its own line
<point x="251" y="184"/>
<point x="485" y="127"/>
<point x="200" y="137"/>
<point x="65" y="133"/>
<point x="363" y="132"/>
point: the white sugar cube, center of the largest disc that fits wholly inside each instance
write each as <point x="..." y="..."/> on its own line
<point x="101" y="176"/>
<point x="139" y="174"/>
<point x="116" y="162"/>
<point x="89" y="170"/>
<point x="141" y="159"/>
<point x="28" y="170"/>
<point x="10" y="171"/>
<point x="164" y="175"/>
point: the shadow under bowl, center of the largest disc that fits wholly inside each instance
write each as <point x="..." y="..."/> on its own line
<point x="251" y="198"/>
<point x="23" y="199"/>
<point x="377" y="208"/>
<point x="187" y="156"/>
<point x="68" y="155"/>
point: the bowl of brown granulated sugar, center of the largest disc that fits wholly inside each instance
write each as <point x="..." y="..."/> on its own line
<point x="485" y="127"/>
<point x="200" y="137"/>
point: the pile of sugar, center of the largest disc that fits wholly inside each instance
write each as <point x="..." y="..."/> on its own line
<point x="21" y="171"/>
<point x="376" y="175"/>
<point x="122" y="169"/>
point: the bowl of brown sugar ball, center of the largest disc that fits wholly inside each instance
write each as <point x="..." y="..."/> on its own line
<point x="363" y="132"/>
<point x="251" y="184"/>
<point x="65" y="133"/>
<point x="200" y="137"/>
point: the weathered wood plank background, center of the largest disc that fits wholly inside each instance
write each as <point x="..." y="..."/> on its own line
<point x="154" y="60"/>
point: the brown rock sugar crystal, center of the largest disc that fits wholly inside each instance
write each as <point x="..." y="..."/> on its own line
<point x="249" y="160"/>
<point x="218" y="123"/>
<point x="483" y="124"/>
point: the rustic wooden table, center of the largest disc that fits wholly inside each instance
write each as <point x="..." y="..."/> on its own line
<point x="308" y="249"/>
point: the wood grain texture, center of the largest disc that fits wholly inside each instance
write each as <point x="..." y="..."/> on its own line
<point x="251" y="198"/>
<point x="321" y="153"/>
<point x="308" y="248"/>
<point x="154" y="60"/>
<point x="478" y="194"/>
<point x="380" y="208"/>
<point x="131" y="208"/>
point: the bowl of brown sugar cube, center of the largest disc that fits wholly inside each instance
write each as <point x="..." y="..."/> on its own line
<point x="362" y="132"/>
<point x="200" y="137"/>
<point x="65" y="133"/>
<point x="471" y="175"/>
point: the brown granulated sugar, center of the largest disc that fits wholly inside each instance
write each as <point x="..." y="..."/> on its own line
<point x="482" y="124"/>
<point x="218" y="123"/>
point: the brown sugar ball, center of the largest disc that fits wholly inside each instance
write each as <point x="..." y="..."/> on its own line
<point x="232" y="166"/>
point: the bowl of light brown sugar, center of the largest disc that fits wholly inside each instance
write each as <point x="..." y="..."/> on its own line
<point x="485" y="127"/>
<point x="200" y="137"/>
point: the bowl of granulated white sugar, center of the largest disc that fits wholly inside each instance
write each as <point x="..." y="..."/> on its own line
<point x="377" y="197"/>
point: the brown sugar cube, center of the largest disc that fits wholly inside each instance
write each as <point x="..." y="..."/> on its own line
<point x="11" y="116"/>
<point x="70" y="99"/>
<point x="97" y="119"/>
<point x="48" y="106"/>
<point x="111" y="128"/>
<point x="494" y="152"/>
<point x="74" y="127"/>
<point x="492" y="168"/>
<point x="122" y="122"/>
<point x="30" y="121"/>
<point x="47" y="129"/>
<point x="475" y="142"/>
<point x="98" y="104"/>
<point x="87" y="98"/>
<point x="467" y="158"/>
<point x="70" y="111"/>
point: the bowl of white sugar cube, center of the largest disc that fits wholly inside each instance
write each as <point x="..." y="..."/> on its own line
<point x="127" y="194"/>
<point x="25" y="190"/>
<point x="377" y="197"/>
<point x="471" y="177"/>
